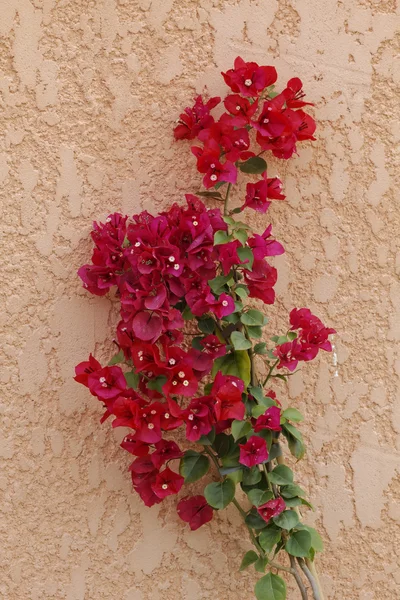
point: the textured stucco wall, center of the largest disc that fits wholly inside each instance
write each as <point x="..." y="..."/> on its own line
<point x="89" y="90"/>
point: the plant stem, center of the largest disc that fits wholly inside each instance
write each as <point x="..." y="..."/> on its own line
<point x="270" y="372"/>
<point x="314" y="573"/>
<point x="298" y="579"/>
<point x="228" y="190"/>
<point x="313" y="582"/>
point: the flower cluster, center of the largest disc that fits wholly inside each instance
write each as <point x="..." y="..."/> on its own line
<point x="186" y="381"/>
<point x="312" y="336"/>
<point x="277" y="119"/>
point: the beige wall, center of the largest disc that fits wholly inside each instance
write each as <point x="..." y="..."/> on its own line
<point x="89" y="91"/>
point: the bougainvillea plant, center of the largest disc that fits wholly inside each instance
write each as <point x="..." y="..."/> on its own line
<point x="193" y="350"/>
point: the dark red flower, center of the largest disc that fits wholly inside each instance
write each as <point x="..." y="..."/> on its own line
<point x="195" y="511"/>
<point x="196" y="118"/>
<point x="260" y="281"/>
<point x="165" y="451"/>
<point x="107" y="383"/>
<point x="240" y="108"/>
<point x="253" y="452"/>
<point x="262" y="246"/>
<point x="228" y="398"/>
<point x="271" y="419"/>
<point x="272" y="508"/>
<point x="248" y="78"/>
<point x="167" y="483"/>
<point x="84" y="369"/>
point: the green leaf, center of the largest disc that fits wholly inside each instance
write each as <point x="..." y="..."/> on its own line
<point x="269" y="537"/>
<point x="254" y="332"/>
<point x="260" y="564"/>
<point x="292" y="502"/>
<point x="292" y="491"/>
<point x="208" y="438"/>
<point x="157" y="383"/>
<point x="259" y="497"/>
<point x="236" y="363"/>
<point x="246" y="257"/>
<point x="292" y="335"/>
<point x="257" y="393"/>
<point x="223" y="444"/>
<point x="240" y="429"/>
<point x="260" y="348"/>
<point x="248" y="559"/>
<point x="206" y="325"/>
<point x="254" y="520"/>
<point x="253" y="317"/>
<point x="295" y="442"/>
<point x="132" y="379"/>
<point x="117" y="358"/>
<point x="236" y="475"/>
<point x="293" y="431"/>
<point x="281" y="475"/>
<point x="316" y="539"/>
<point x="242" y="291"/>
<point x="270" y="587"/>
<point x="258" y="410"/>
<point x="251" y="476"/>
<point x="299" y="543"/>
<point x="286" y="520"/>
<point x="221" y="237"/>
<point x="292" y="414"/>
<point x="220" y="493"/>
<point x="241" y="235"/>
<point x="187" y="314"/>
<point x="193" y="466"/>
<point x="254" y="165"/>
<point x="306" y="503"/>
<point x="239" y="341"/>
<point x="218" y="283"/>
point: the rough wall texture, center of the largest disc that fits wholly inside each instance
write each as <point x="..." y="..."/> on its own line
<point x="89" y="90"/>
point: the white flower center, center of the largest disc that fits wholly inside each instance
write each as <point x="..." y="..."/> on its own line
<point x="181" y="374"/>
<point x="137" y="244"/>
<point x="238" y="107"/>
<point x="172" y="361"/>
<point x="171" y="259"/>
<point x="248" y="82"/>
<point x="224" y="303"/>
<point x="186" y="383"/>
<point x="191" y="417"/>
<point x="266" y="120"/>
<point x="166" y="416"/>
<point x="102" y="379"/>
<point x="213" y="177"/>
<point x="174" y="383"/>
<point x="195" y="223"/>
<point x="150" y="426"/>
<point x="212" y="166"/>
<point x="164" y="486"/>
<point x="176" y="267"/>
<point x="108" y="220"/>
<point x="153" y="412"/>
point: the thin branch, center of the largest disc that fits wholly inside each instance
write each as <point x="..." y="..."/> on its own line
<point x="311" y="579"/>
<point x="298" y="579"/>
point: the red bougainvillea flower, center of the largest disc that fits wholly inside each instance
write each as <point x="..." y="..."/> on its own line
<point x="263" y="246"/>
<point x="313" y="332"/>
<point x="196" y="118"/>
<point x="240" y="109"/>
<point x="227" y="392"/>
<point x="125" y="411"/>
<point x="248" y="78"/>
<point x="253" y="452"/>
<point x="215" y="171"/>
<point x="133" y="446"/>
<point x="165" y="450"/>
<point x="167" y="483"/>
<point x="107" y="383"/>
<point x="289" y="354"/>
<point x="293" y="94"/>
<point x="271" y="419"/>
<point x="257" y="194"/>
<point x="84" y="369"/>
<point x="195" y="511"/>
<point x="272" y="508"/>
<point x="213" y="346"/>
<point x="260" y="281"/>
